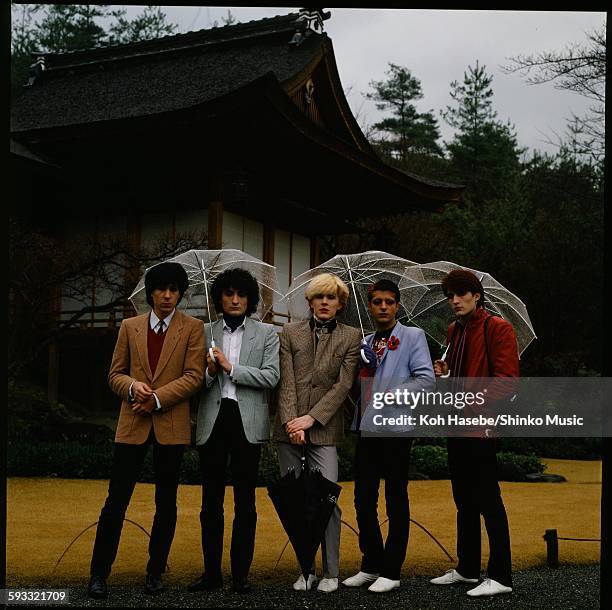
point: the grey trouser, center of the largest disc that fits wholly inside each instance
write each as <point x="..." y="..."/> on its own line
<point x="325" y="458"/>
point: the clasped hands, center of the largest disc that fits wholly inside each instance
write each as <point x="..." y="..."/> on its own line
<point x="296" y="428"/>
<point x="144" y="401"/>
<point x="221" y="362"/>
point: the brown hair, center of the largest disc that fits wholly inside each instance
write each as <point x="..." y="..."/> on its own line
<point x="460" y="281"/>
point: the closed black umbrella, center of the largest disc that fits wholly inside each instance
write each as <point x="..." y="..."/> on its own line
<point x="304" y="504"/>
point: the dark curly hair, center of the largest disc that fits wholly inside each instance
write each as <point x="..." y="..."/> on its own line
<point x="166" y="275"/>
<point x="460" y="281"/>
<point x="236" y="279"/>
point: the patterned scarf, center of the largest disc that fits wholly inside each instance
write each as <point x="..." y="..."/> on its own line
<point x="321" y="327"/>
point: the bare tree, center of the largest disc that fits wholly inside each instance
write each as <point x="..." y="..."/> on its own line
<point x="43" y="270"/>
<point x="580" y="68"/>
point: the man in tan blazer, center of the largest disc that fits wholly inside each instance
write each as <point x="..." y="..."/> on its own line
<point x="318" y="362"/>
<point x="158" y="363"/>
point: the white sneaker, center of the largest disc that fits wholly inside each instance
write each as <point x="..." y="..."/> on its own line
<point x="450" y="578"/>
<point x="360" y="579"/>
<point x="489" y="587"/>
<point x="327" y="585"/>
<point x="383" y="585"/>
<point x="301" y="585"/>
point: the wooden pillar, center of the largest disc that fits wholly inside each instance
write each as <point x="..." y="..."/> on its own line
<point x="268" y="257"/>
<point x="134" y="239"/>
<point x="268" y="245"/>
<point x="215" y="225"/>
<point x="315" y="252"/>
<point x="53" y="350"/>
<point x="215" y="213"/>
<point x="552" y="548"/>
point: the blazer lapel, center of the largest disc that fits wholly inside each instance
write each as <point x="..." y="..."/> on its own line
<point x="217" y="330"/>
<point x="326" y="344"/>
<point x="247" y="341"/>
<point x="393" y="334"/>
<point x="387" y="372"/>
<point x="141" y="344"/>
<point x="304" y="336"/>
<point x="173" y="335"/>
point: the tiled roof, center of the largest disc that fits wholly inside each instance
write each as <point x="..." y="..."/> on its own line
<point x="160" y="75"/>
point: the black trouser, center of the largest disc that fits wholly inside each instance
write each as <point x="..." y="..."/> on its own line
<point x="125" y="472"/>
<point x="473" y="467"/>
<point x="226" y="440"/>
<point x="389" y="459"/>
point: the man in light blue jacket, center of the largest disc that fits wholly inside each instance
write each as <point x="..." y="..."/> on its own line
<point x="398" y="358"/>
<point x="233" y="423"/>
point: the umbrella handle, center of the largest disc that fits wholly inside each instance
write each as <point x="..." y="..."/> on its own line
<point x="443" y="358"/>
<point x="303" y="457"/>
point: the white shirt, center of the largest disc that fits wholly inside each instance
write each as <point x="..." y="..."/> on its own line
<point x="154" y="320"/>
<point x="232" y="342"/>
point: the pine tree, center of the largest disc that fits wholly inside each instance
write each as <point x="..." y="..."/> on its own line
<point x="23" y="42"/>
<point x="72" y="27"/>
<point x="150" y="24"/>
<point x="484" y="152"/>
<point x="407" y="130"/>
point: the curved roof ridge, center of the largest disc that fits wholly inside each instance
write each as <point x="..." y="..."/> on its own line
<point x="183" y="39"/>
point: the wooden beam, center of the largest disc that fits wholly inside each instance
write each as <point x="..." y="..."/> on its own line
<point x="53" y="365"/>
<point x="133" y="229"/>
<point x="315" y="252"/>
<point x="215" y="225"/>
<point x="215" y="210"/>
<point x="268" y="245"/>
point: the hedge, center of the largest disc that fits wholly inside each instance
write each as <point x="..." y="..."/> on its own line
<point x="75" y="459"/>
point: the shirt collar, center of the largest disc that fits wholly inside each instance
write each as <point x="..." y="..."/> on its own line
<point x="478" y="315"/>
<point x="226" y="327"/>
<point x="154" y="320"/>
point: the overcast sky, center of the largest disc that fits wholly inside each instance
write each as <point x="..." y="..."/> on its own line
<point x="437" y="46"/>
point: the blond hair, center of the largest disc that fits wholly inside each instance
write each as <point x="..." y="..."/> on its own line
<point x="328" y="283"/>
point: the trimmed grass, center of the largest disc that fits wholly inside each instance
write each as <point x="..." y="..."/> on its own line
<point x="44" y="515"/>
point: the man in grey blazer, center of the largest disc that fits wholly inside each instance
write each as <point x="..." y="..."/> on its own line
<point x="318" y="360"/>
<point x="233" y="423"/>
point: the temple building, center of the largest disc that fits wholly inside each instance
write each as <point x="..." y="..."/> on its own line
<point x="241" y="131"/>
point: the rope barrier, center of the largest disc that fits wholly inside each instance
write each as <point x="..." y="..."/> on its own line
<point x="450" y="557"/>
<point x="93" y="525"/>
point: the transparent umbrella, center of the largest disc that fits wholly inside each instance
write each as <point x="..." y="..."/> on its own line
<point x="430" y="310"/>
<point x="202" y="267"/>
<point x="359" y="271"/>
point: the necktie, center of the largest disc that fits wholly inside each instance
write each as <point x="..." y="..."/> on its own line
<point x="160" y="327"/>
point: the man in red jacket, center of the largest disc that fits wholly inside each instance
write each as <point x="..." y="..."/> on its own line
<point x="480" y="345"/>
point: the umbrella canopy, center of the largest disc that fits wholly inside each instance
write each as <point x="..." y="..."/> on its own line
<point x="202" y="267"/>
<point x="304" y="505"/>
<point x="358" y="271"/>
<point x="431" y="312"/>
